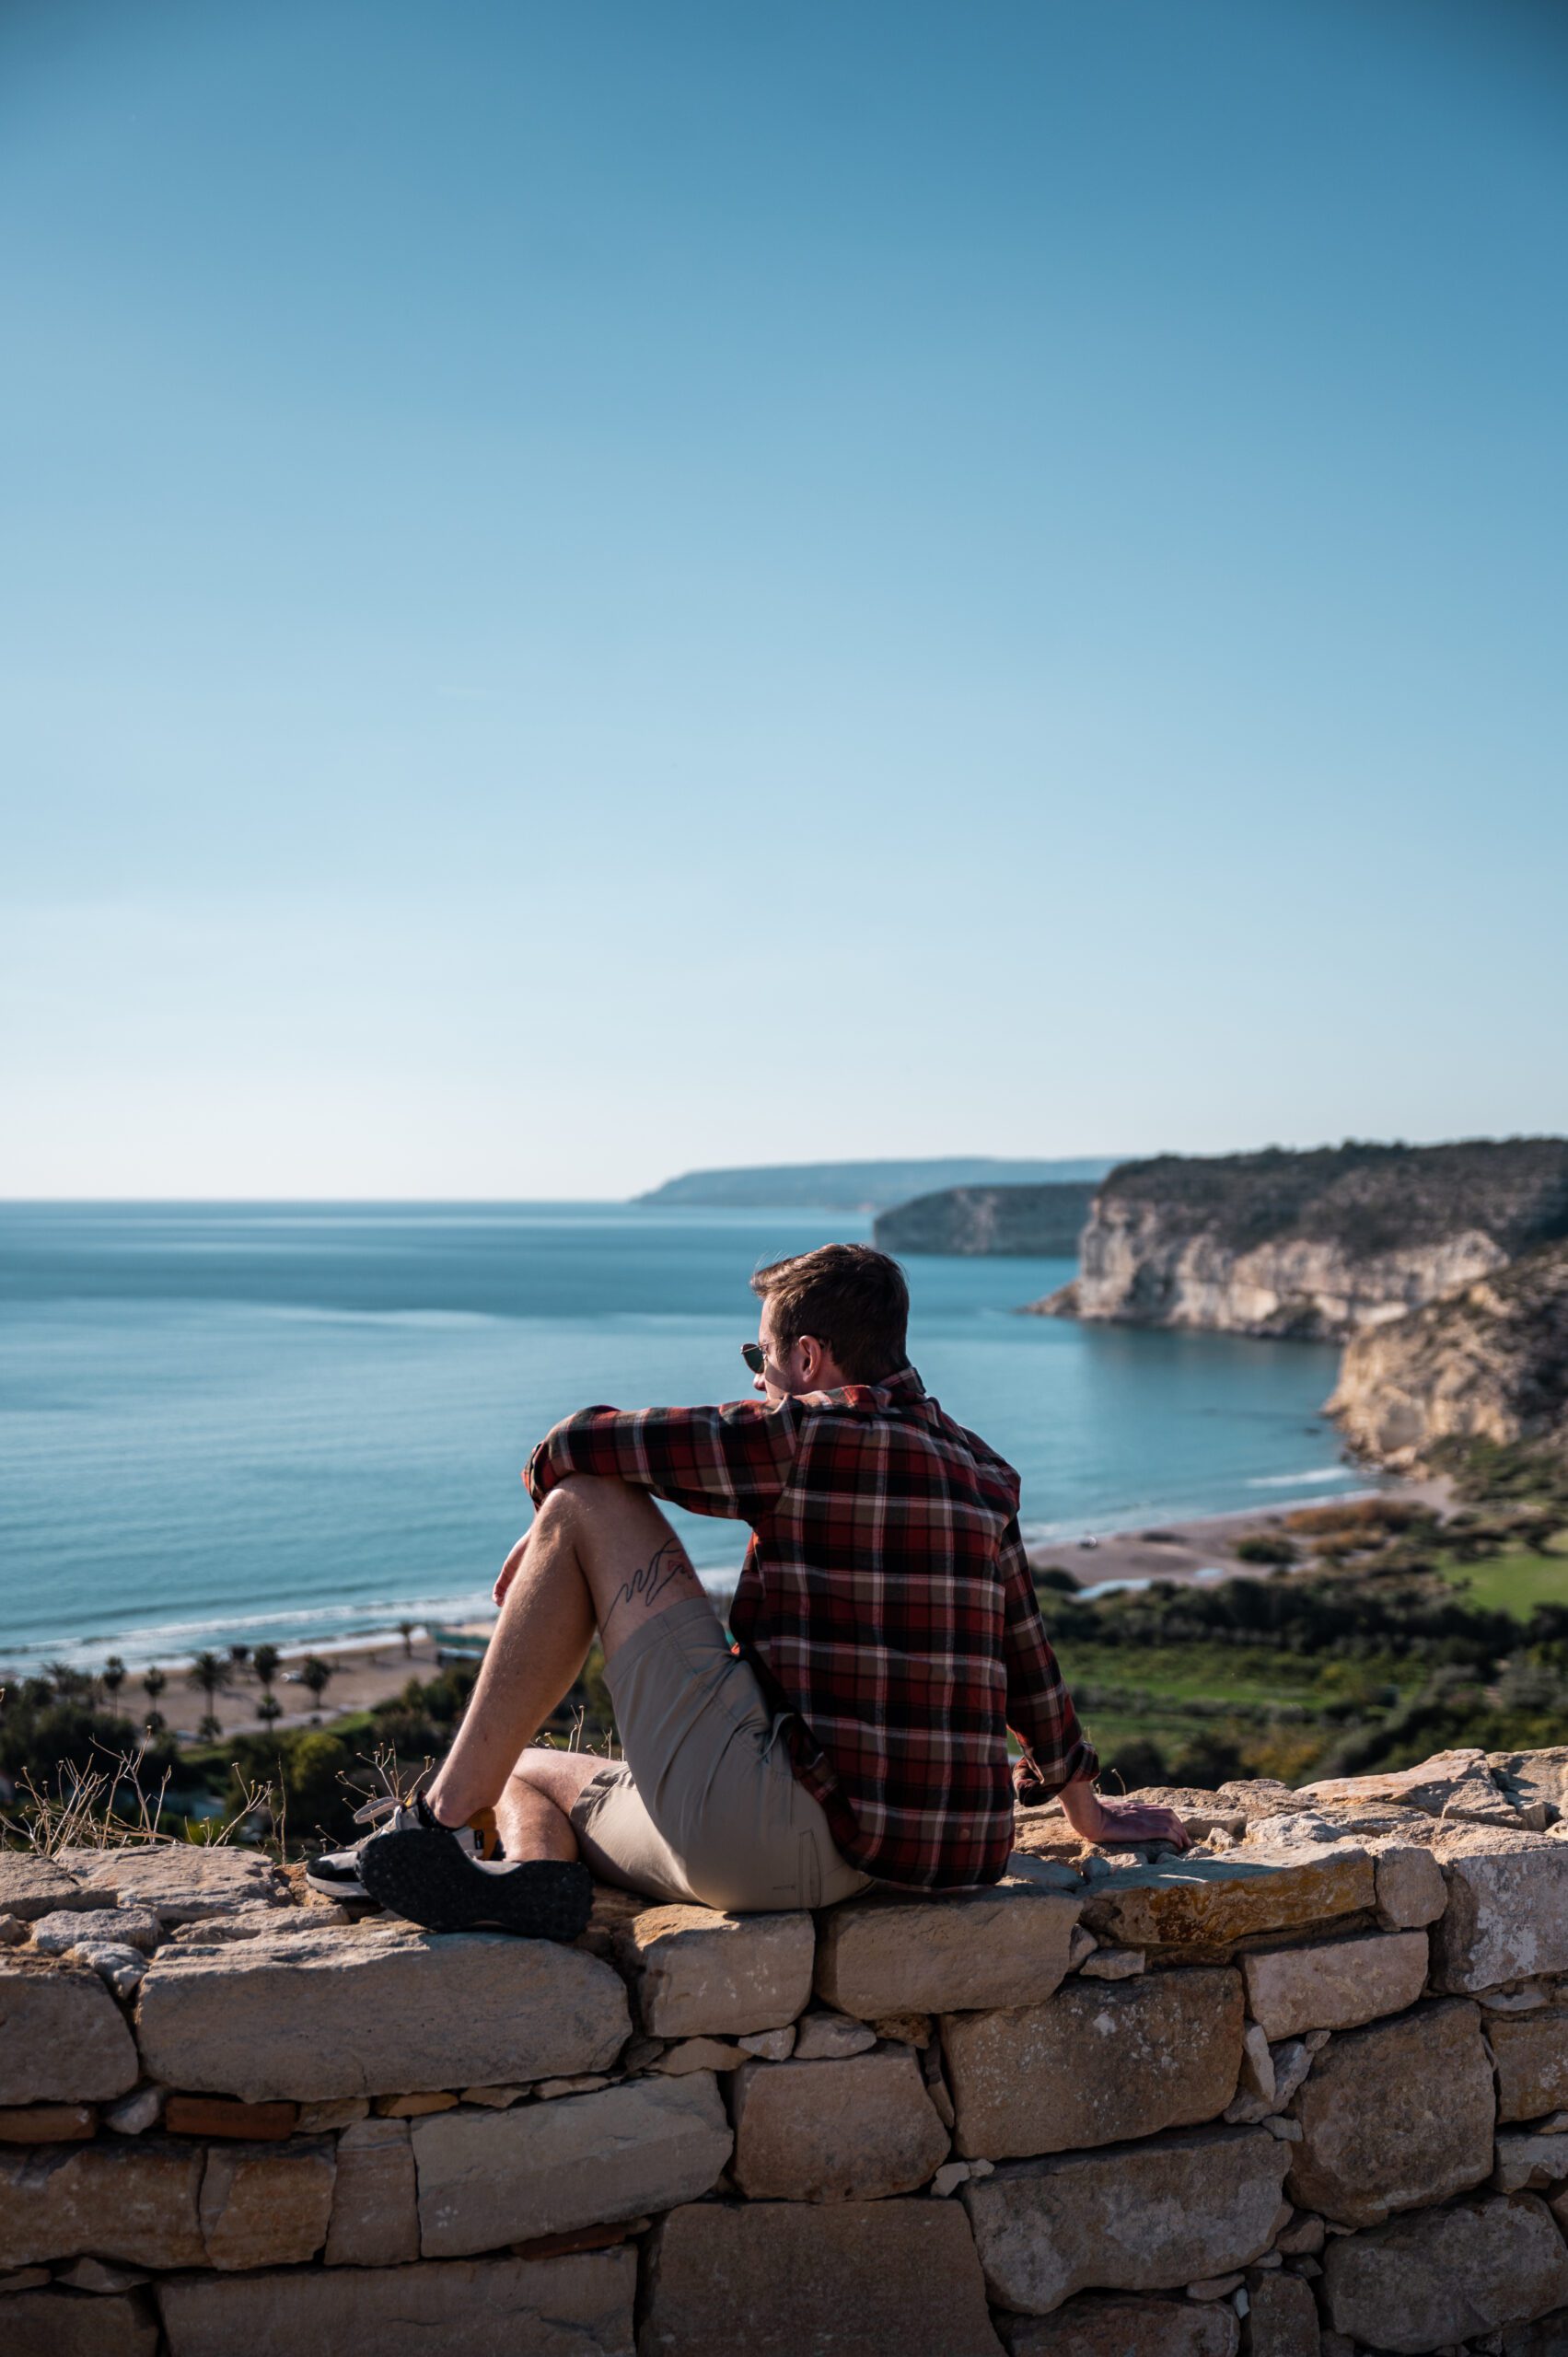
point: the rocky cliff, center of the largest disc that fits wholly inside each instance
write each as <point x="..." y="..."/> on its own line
<point x="1044" y="1221"/>
<point x="1317" y="1244"/>
<point x="1489" y="1361"/>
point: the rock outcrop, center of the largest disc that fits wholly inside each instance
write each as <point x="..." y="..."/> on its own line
<point x="1300" y="2090"/>
<point x="1042" y="1221"/>
<point x="1317" y="1245"/>
<point x="1489" y="1361"/>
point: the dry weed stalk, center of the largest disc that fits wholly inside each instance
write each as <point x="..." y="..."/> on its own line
<point x="86" y="1812"/>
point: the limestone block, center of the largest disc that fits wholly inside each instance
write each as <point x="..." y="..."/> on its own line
<point x="784" y="2278"/>
<point x="1437" y="1787"/>
<point x="133" y="1927"/>
<point x="417" y="2107"/>
<point x="61" y="2036"/>
<point x="896" y="1955"/>
<point x="1143" y="2217"/>
<point x="1531" y="2055"/>
<point x="1394" y="2116"/>
<point x="1282" y="2317"/>
<point x="702" y="1974"/>
<point x="489" y="2177"/>
<point x="829" y="2037"/>
<point x="266" y="2205"/>
<point x="696" y="2054"/>
<point x="769" y="2045"/>
<point x="134" y="2114"/>
<point x="47" y="2123"/>
<point x="32" y="1886"/>
<point x="1530" y="2161"/>
<point x="375" y="2219"/>
<point x="325" y="2119"/>
<point x="1113" y="1964"/>
<point x="252" y="2123"/>
<point x="1410" y="1890"/>
<point x="99" y="2275"/>
<point x="1335" y="1984"/>
<point x="135" y="2203"/>
<point x="115" y="1962"/>
<point x="1446" y="2275"/>
<point x="180" y="1881"/>
<point x="574" y="2306"/>
<point x="1096" y="2064"/>
<point x="855" y="2130"/>
<point x="376" y="2009"/>
<point x="72" y="2324"/>
<point x="1507" y="1911"/>
<point x="1209" y="1902"/>
<point x="1098" y="2327"/>
<point x="13" y="1931"/>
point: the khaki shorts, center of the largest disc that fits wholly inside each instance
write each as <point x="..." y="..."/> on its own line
<point x="705" y="1807"/>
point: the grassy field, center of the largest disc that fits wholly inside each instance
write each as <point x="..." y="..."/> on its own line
<point x="1515" y="1582"/>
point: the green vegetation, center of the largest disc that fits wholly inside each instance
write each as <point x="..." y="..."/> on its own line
<point x="1402" y="1634"/>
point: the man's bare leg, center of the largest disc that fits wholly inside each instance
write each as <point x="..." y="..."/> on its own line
<point x="599" y="1554"/>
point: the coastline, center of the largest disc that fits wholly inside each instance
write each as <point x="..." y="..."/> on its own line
<point x="375" y="1665"/>
<point x="1201" y="1544"/>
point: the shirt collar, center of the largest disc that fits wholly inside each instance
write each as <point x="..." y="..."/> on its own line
<point x="902" y="1388"/>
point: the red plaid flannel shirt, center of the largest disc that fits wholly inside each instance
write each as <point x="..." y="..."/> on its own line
<point x="885" y="1601"/>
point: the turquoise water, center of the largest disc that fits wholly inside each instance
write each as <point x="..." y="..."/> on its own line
<point x="300" y="1423"/>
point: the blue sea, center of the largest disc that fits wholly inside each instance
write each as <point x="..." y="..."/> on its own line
<point x="303" y="1423"/>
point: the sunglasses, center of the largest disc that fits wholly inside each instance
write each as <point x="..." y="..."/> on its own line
<point x="756" y="1357"/>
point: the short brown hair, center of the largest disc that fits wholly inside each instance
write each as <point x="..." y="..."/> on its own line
<point x="853" y="1300"/>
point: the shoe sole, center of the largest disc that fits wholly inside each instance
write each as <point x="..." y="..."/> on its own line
<point x="349" y="1890"/>
<point x="423" y="1877"/>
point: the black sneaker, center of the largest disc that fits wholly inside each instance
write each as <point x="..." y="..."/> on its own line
<point x="433" y="1874"/>
<point x="336" y="1873"/>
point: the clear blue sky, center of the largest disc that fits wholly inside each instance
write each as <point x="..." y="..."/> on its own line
<point x="593" y="590"/>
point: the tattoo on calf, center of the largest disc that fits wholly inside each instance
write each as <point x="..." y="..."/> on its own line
<point x="646" y="1585"/>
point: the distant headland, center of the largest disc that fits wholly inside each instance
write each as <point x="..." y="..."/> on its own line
<point x="863" y="1186"/>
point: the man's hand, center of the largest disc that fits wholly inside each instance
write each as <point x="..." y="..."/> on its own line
<point x="512" y="1566"/>
<point x="1117" y="1824"/>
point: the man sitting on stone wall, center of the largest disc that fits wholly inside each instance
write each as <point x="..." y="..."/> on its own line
<point x="855" y="1735"/>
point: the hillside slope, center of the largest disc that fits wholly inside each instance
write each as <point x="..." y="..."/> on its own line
<point x="861" y="1186"/>
<point x="1045" y="1221"/>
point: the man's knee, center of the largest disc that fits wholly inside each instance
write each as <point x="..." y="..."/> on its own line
<point x="589" y="1493"/>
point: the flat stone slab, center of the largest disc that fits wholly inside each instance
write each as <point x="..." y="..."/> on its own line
<point x="1100" y="2327"/>
<point x="62" y="2039"/>
<point x="1395" y="2116"/>
<point x="854" y="2130"/>
<point x="182" y="1882"/>
<point x="63" y="2324"/>
<point x="491" y="2178"/>
<point x="702" y="1974"/>
<point x="267" y="2205"/>
<point x="375" y="2219"/>
<point x="1334" y="1984"/>
<point x="1144" y="2217"/>
<point x="32" y="1886"/>
<point x="1097" y="2064"/>
<point x="785" y="2279"/>
<point x="1531" y="2055"/>
<point x="1445" y="2276"/>
<point x="575" y="2306"/>
<point x="1213" y="1902"/>
<point x="380" y="2008"/>
<point x="1446" y="1784"/>
<point x="1507" y="1912"/>
<point x="135" y="2202"/>
<point x="896" y="1956"/>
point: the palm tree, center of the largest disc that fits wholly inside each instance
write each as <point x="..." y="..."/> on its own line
<point x="316" y="1672"/>
<point x="238" y="1658"/>
<point x="153" y="1683"/>
<point x="209" y="1728"/>
<point x="265" y="1661"/>
<point x="112" y="1676"/>
<point x="405" y="1631"/>
<point x="206" y="1671"/>
<point x="269" y="1708"/>
<point x="67" y="1682"/>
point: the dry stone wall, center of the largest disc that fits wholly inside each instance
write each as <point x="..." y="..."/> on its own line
<point x="1300" y="2092"/>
